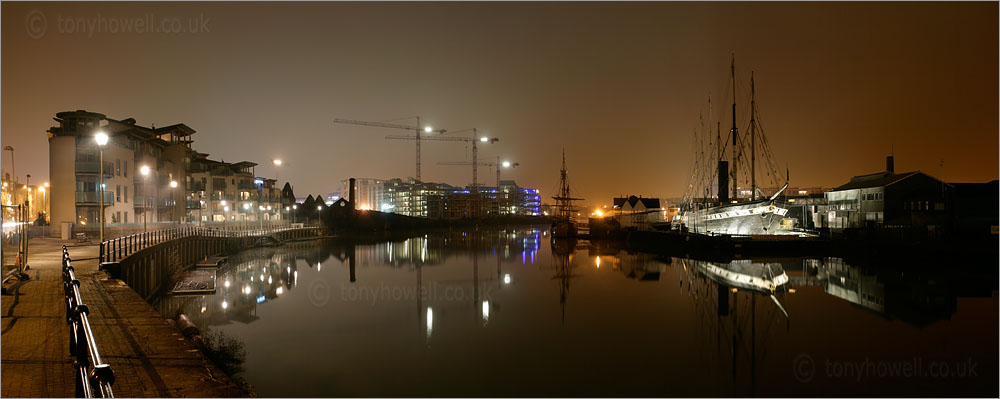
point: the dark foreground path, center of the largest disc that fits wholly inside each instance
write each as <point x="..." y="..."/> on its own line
<point x="150" y="358"/>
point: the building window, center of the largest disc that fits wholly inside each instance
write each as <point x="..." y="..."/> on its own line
<point x="126" y="217"/>
<point x="126" y="168"/>
<point x="118" y="193"/>
<point x="118" y="167"/>
<point x="126" y="196"/>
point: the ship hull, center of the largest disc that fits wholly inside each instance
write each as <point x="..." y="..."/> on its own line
<point x="744" y="274"/>
<point x="563" y="228"/>
<point x="762" y="217"/>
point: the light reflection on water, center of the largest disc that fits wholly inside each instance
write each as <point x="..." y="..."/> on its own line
<point x="510" y="313"/>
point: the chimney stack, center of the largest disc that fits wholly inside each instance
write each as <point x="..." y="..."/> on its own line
<point x="350" y="194"/>
<point x="889" y="167"/>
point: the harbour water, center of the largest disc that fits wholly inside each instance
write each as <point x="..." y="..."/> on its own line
<point x="509" y="312"/>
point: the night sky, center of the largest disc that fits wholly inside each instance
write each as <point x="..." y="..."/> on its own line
<point x="619" y="86"/>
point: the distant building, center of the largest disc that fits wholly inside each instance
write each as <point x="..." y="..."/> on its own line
<point x="17" y="193"/>
<point x="369" y="192"/>
<point x="440" y="200"/>
<point x="638" y="212"/>
<point x="890" y="200"/>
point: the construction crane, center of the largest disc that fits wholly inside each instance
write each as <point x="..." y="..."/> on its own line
<point x="496" y="165"/>
<point x="474" y="140"/>
<point x="416" y="130"/>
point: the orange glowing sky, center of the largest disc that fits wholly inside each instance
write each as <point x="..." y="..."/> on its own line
<point x="619" y="86"/>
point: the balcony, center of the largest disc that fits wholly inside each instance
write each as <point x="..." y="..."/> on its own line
<point x="90" y="197"/>
<point x="226" y="197"/>
<point x="193" y="204"/>
<point x="196" y="186"/>
<point x="94" y="167"/>
<point x="246" y="186"/>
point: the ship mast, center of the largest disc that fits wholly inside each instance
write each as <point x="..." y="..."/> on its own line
<point x="736" y="191"/>
<point x="753" y="142"/>
<point x="565" y="201"/>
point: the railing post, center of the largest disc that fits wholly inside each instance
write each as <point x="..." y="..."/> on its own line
<point x="101" y="252"/>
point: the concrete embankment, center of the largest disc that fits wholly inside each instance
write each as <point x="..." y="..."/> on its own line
<point x="149" y="356"/>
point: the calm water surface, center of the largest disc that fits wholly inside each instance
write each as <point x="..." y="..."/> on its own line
<point x="509" y="313"/>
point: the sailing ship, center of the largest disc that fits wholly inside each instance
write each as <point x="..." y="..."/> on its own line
<point x="563" y="222"/>
<point x="756" y="215"/>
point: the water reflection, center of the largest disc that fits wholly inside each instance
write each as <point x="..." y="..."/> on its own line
<point x="394" y="318"/>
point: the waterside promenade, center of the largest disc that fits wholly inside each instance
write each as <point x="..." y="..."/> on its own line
<point x="150" y="358"/>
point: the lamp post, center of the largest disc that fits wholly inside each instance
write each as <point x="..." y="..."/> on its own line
<point x="225" y="213"/>
<point x="173" y="196"/>
<point x="44" y="212"/>
<point x="12" y="170"/>
<point x="319" y="215"/>
<point x="102" y="140"/>
<point x="144" y="171"/>
<point x="277" y="163"/>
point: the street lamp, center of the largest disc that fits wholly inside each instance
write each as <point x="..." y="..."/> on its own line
<point x="42" y="189"/>
<point x="102" y="139"/>
<point x="144" y="171"/>
<point x="173" y="196"/>
<point x="277" y="163"/>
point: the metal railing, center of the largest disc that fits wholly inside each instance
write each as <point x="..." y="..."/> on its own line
<point x="93" y="377"/>
<point x="114" y="250"/>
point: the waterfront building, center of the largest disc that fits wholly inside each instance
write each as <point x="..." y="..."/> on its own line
<point x="180" y="185"/>
<point x="890" y="200"/>
<point x="440" y="200"/>
<point x="638" y="212"/>
<point x="511" y="199"/>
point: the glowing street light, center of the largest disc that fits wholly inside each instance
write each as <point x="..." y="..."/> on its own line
<point x="102" y="139"/>
<point x="173" y="184"/>
<point x="144" y="171"/>
<point x="276" y="162"/>
<point x="506" y="164"/>
<point x="428" y="129"/>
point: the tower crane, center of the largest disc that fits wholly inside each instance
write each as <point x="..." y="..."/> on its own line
<point x="496" y="165"/>
<point x="474" y="140"/>
<point x="416" y="130"/>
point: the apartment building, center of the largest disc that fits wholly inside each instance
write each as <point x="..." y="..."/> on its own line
<point x="151" y="175"/>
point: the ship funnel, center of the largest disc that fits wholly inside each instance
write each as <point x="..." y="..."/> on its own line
<point x="723" y="182"/>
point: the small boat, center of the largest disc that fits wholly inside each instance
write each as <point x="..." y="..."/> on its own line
<point x="200" y="280"/>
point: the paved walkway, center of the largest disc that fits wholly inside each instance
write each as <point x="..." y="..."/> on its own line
<point x="150" y="358"/>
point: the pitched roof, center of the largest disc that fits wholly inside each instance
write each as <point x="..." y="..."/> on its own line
<point x="880" y="179"/>
<point x="649" y="203"/>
